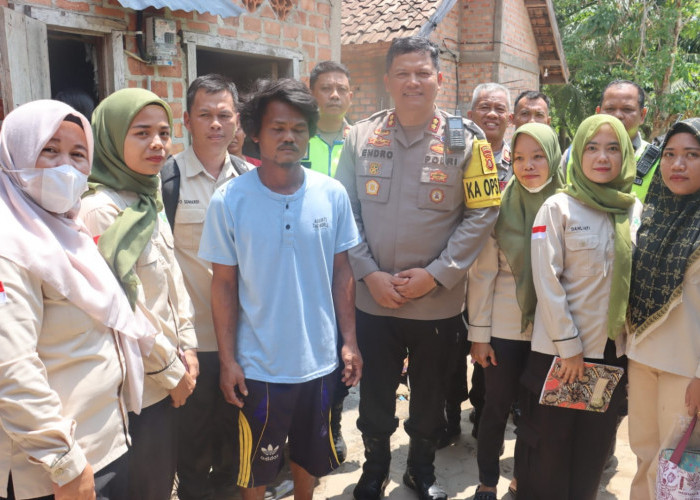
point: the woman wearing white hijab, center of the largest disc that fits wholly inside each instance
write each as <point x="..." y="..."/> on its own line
<point x="69" y="341"/>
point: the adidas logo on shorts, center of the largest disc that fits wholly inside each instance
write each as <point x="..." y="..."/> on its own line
<point x="270" y="453"/>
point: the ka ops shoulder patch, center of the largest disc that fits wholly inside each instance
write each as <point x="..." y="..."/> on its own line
<point x="481" y="188"/>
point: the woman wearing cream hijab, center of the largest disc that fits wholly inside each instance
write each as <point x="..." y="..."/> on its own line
<point x="68" y="337"/>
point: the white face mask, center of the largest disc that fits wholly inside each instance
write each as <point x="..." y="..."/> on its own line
<point x="55" y="189"/>
<point x="537" y="189"/>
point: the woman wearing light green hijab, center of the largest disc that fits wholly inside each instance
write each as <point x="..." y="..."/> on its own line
<point x="123" y="210"/>
<point x="581" y="263"/>
<point x="501" y="298"/>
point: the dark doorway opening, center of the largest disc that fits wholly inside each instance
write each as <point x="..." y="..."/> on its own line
<point x="243" y="70"/>
<point x="73" y="66"/>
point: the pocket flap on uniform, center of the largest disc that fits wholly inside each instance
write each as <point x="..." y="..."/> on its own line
<point x="582" y="242"/>
<point x="190" y="215"/>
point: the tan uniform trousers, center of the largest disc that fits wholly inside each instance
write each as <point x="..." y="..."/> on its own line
<point x="657" y="413"/>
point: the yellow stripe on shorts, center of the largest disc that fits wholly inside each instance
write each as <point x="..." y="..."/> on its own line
<point x="330" y="433"/>
<point x="245" y="446"/>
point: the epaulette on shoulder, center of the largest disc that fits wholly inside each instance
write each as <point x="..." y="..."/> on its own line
<point x="374" y="116"/>
<point x="473" y="128"/>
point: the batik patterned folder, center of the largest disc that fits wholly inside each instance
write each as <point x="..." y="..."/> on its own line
<point x="591" y="393"/>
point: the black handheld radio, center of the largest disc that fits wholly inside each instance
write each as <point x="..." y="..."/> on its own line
<point x="455" y="138"/>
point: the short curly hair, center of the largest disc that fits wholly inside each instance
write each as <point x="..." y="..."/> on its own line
<point x="292" y="92"/>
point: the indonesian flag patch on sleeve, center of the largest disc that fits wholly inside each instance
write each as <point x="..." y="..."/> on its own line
<point x="3" y="295"/>
<point x="539" y="232"/>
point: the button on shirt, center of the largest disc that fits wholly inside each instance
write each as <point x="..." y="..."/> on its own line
<point x="196" y="189"/>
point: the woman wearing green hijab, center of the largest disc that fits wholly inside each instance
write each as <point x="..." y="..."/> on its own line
<point x="123" y="210"/>
<point x="581" y="262"/>
<point x="501" y="298"/>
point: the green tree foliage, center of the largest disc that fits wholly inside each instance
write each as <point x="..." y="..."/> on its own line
<point x="655" y="43"/>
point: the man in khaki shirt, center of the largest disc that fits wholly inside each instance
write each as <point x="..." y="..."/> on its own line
<point x="489" y="110"/>
<point x="207" y="422"/>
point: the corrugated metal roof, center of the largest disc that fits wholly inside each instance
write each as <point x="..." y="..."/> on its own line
<point x="223" y="8"/>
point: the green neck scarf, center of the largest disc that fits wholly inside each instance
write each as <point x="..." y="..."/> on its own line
<point x="518" y="209"/>
<point x="615" y="198"/>
<point x="124" y="241"/>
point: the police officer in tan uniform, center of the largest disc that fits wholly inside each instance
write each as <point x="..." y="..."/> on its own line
<point x="424" y="211"/>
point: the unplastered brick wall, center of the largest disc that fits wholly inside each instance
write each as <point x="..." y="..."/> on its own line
<point x="306" y="28"/>
<point x="517" y="68"/>
<point x="366" y="64"/>
<point x="477" y="24"/>
<point x="518" y="42"/>
<point x="447" y="37"/>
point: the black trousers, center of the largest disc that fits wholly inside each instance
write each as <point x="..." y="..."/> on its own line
<point x="207" y="436"/>
<point x="111" y="481"/>
<point x="561" y="453"/>
<point x="457" y="386"/>
<point x="384" y="342"/>
<point x="477" y="394"/>
<point x="502" y="389"/>
<point x="153" y="452"/>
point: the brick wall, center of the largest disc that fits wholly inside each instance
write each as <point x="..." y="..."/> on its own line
<point x="305" y="29"/>
<point x="468" y="30"/>
<point x="366" y="65"/>
<point x="447" y="37"/>
<point x="518" y="41"/>
<point x="517" y="45"/>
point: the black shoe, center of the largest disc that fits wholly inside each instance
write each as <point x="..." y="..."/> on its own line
<point x="427" y="488"/>
<point x="375" y="470"/>
<point x="341" y="449"/>
<point x="370" y="486"/>
<point x="420" y="471"/>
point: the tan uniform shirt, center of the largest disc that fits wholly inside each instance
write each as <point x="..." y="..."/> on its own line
<point x="572" y="269"/>
<point x="61" y="375"/>
<point x="408" y="198"/>
<point x="162" y="292"/>
<point x="196" y="189"/>
<point x="491" y="300"/>
<point x="672" y="344"/>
